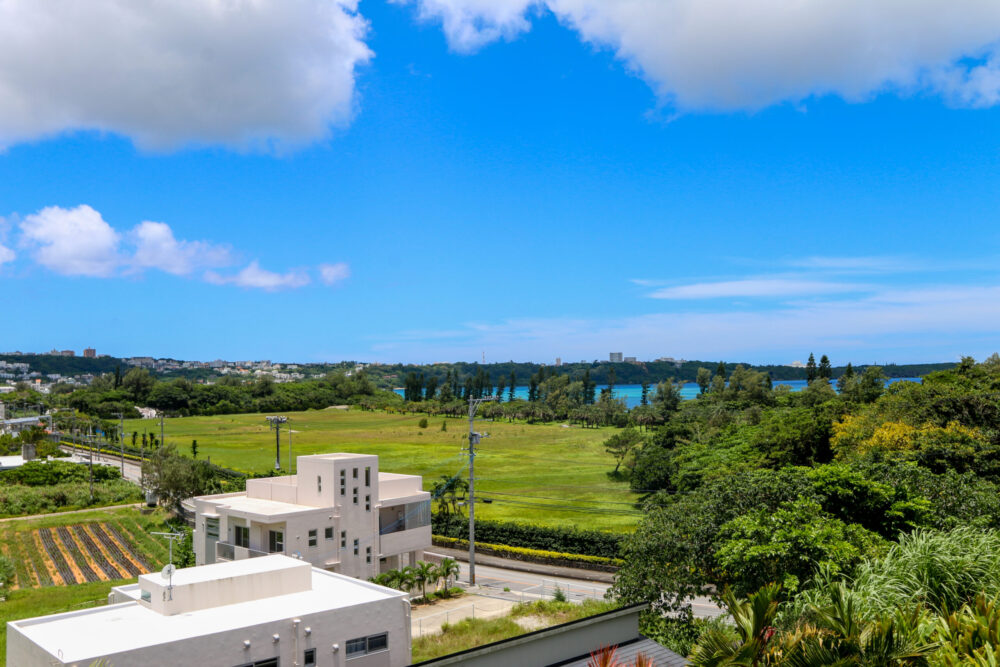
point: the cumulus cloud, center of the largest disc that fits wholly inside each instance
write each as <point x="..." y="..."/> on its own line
<point x="166" y="73"/>
<point x="6" y="254"/>
<point x="737" y="55"/>
<point x="73" y="242"/>
<point x="331" y="274"/>
<point x="255" y="277"/>
<point x="156" y="248"/>
<point x="755" y="287"/>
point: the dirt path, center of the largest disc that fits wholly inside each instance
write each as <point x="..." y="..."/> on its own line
<point x="89" y="509"/>
<point x="428" y="619"/>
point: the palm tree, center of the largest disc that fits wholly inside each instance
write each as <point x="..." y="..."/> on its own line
<point x="447" y="569"/>
<point x="422" y="573"/>
<point x="754" y="621"/>
<point x="407" y="579"/>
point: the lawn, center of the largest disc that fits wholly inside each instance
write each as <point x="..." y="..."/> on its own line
<point x="71" y="561"/>
<point x="545" y="474"/>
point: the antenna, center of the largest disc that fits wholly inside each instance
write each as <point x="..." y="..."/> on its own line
<point x="276" y="423"/>
<point x="169" y="569"/>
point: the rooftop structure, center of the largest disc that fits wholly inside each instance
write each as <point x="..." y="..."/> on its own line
<point x="338" y="513"/>
<point x="263" y="611"/>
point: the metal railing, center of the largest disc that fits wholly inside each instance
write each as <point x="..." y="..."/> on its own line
<point x="226" y="551"/>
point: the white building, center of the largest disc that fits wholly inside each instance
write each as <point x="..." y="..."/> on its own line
<point x="262" y="612"/>
<point x="338" y="513"/>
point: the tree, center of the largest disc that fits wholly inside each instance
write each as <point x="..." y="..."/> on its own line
<point x="720" y="370"/>
<point x="621" y="444"/>
<point x="644" y="399"/>
<point x="137" y="383"/>
<point x="533" y="389"/>
<point x="430" y="389"/>
<point x="612" y="376"/>
<point x="501" y="385"/>
<point x="424" y="572"/>
<point x="845" y="379"/>
<point x="825" y="370"/>
<point x="513" y="383"/>
<point x="704" y="379"/>
<point x="447" y="569"/>
<point x="589" y="386"/>
<point x="175" y="478"/>
<point x="194" y="449"/>
<point x="754" y="620"/>
<point x="811" y="368"/>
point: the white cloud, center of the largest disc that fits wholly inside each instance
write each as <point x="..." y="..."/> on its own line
<point x="332" y="274"/>
<point x="156" y="248"/>
<point x="735" y="54"/>
<point x="257" y="75"/>
<point x="756" y="287"/>
<point x="939" y="324"/>
<point x="73" y="242"/>
<point x="6" y="254"/>
<point x="255" y="277"/>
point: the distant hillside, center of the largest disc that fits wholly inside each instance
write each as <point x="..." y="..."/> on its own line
<point x="48" y="363"/>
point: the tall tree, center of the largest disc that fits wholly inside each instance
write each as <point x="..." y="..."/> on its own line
<point x="811" y="368"/>
<point x="588" y="388"/>
<point x="846" y="377"/>
<point x="644" y="399"/>
<point x="501" y="385"/>
<point x="720" y="370"/>
<point x="611" y="380"/>
<point x="430" y="388"/>
<point x="704" y="379"/>
<point x="825" y="370"/>
<point x="513" y="382"/>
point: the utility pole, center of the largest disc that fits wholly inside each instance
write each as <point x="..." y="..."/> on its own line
<point x="289" y="449"/>
<point x="473" y="441"/>
<point x="121" y="440"/>
<point x="276" y="423"/>
<point x="161" y="430"/>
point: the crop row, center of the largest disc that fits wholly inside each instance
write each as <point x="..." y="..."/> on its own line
<point x="74" y="550"/>
<point x="55" y="555"/>
<point x="98" y="556"/>
<point x="112" y="548"/>
<point x="127" y="544"/>
<point x="36" y="559"/>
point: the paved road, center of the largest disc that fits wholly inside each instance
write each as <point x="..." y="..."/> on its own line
<point x="526" y="586"/>
<point x="133" y="471"/>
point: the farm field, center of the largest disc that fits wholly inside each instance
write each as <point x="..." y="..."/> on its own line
<point x="544" y="474"/>
<point x="71" y="561"/>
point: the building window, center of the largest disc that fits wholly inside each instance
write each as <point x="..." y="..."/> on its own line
<point x="309" y="657"/>
<point x="343" y="482"/>
<point x="355" y="547"/>
<point x="212" y="528"/>
<point x="364" y="645"/>
<point x="355" y="495"/>
<point x="276" y="541"/>
<point x="368" y="503"/>
<point x="343" y="539"/>
<point x="328" y="533"/>
<point x="241" y="536"/>
<point x="368" y="475"/>
<point x="145" y="596"/>
<point x="312" y="538"/>
<point x="355" y="473"/>
<point x="368" y="554"/>
<point x="319" y="484"/>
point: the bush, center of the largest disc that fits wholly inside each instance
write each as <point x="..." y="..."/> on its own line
<point x="520" y="553"/>
<point x="563" y="540"/>
<point x="422" y="423"/>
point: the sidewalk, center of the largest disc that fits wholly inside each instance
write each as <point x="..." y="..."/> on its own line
<point x="511" y="564"/>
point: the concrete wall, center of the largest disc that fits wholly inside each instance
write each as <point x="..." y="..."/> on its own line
<point x="403" y="541"/>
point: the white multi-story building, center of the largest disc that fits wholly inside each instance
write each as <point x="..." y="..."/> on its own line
<point x="338" y="513"/>
<point x="261" y="612"/>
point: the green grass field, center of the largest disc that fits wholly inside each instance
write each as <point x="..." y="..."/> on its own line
<point x="544" y="474"/>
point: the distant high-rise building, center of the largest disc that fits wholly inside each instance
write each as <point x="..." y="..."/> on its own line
<point x="68" y="353"/>
<point x="629" y="360"/>
<point x="558" y="361"/>
<point x="90" y="353"/>
<point x="616" y="357"/>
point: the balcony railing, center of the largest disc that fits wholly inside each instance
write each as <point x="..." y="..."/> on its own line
<point x="226" y="551"/>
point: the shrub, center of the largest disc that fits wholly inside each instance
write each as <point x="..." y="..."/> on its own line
<point x="422" y="423"/>
<point x="562" y="540"/>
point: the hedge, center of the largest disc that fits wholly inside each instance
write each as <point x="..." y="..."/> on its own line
<point x="560" y="540"/>
<point x="533" y="555"/>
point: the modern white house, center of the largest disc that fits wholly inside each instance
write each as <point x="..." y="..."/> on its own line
<point x="259" y="612"/>
<point x="339" y="513"/>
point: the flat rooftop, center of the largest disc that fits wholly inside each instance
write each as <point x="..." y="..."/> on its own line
<point x="91" y="633"/>
<point x="261" y="506"/>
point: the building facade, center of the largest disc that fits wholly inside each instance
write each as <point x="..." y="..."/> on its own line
<point x="338" y="513"/>
<point x="261" y="612"/>
<point x="615" y="357"/>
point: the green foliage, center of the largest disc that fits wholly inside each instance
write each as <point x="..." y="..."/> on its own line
<point x="787" y="544"/>
<point x="7" y="571"/>
<point x="47" y="473"/>
<point x="18" y="499"/>
<point x="566" y="540"/>
<point x="422" y="423"/>
<point x="622" y="444"/>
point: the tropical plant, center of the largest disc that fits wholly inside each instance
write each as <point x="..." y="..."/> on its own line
<point x="446" y="569"/>
<point x="754" y="624"/>
<point x="423" y="572"/>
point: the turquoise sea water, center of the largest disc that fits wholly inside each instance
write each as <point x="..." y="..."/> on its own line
<point x="632" y="393"/>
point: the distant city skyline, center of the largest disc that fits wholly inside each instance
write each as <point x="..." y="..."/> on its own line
<point x="414" y="181"/>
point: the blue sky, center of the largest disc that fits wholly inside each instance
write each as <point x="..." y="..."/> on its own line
<point x="442" y="179"/>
